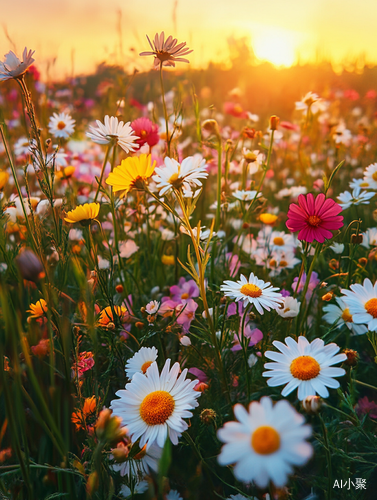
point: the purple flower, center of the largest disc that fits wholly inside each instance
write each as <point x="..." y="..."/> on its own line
<point x="314" y="281"/>
<point x="183" y="291"/>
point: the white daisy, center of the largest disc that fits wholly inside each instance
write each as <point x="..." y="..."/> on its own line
<point x="370" y="176"/>
<point x="290" y="308"/>
<point x="304" y="365"/>
<point x="22" y="147"/>
<point x="12" y="67"/>
<point x="245" y="195"/>
<point x="254" y="291"/>
<point x="265" y="442"/>
<point x="141" y="361"/>
<point x="173" y="495"/>
<point x="153" y="406"/>
<point x="115" y="130"/>
<point x="139" y="488"/>
<point x="61" y="125"/>
<point x="370" y="237"/>
<point x="360" y="183"/>
<point x="337" y="247"/>
<point x="340" y="314"/>
<point x="362" y="303"/>
<point x="177" y="175"/>
<point x="357" y="197"/>
<point x="140" y="464"/>
<point x="152" y="307"/>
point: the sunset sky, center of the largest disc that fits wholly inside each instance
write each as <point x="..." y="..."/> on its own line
<point x="83" y="33"/>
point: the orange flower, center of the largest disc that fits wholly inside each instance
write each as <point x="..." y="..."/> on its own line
<point x="79" y="417"/>
<point x="106" y="315"/>
<point x="268" y="219"/>
<point x="38" y="309"/>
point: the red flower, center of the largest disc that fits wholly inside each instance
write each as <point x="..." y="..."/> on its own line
<point x="315" y="218"/>
<point x="146" y="130"/>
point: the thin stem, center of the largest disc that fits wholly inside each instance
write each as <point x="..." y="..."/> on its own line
<point x="328" y="456"/>
<point x="103" y="170"/>
<point x="165" y="111"/>
<point x="219" y="173"/>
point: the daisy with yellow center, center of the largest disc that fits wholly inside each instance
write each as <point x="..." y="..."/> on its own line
<point x="38" y="309"/>
<point x="306" y="366"/>
<point x="254" y="291"/>
<point x="141" y="361"/>
<point x="265" y="442"/>
<point x="339" y="315"/>
<point x="132" y="173"/>
<point x="362" y="303"/>
<point x="61" y="125"/>
<point x="153" y="406"/>
<point x="185" y="175"/>
<point x="83" y="214"/>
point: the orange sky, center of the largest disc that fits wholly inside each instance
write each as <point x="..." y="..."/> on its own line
<point x="89" y="31"/>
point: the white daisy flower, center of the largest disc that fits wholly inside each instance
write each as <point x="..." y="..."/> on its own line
<point x="340" y="314"/>
<point x="12" y="67"/>
<point x="255" y="291"/>
<point x="309" y="99"/>
<point x="153" y="406"/>
<point x="245" y="195"/>
<point x="359" y="183"/>
<point x="290" y="308"/>
<point x="370" y="237"/>
<point x="370" y="176"/>
<point x="140" y="464"/>
<point x="177" y="175"/>
<point x="115" y="130"/>
<point x="362" y="303"/>
<point x="276" y="241"/>
<point x="22" y="147"/>
<point x="304" y="365"/>
<point x="139" y="488"/>
<point x="61" y="125"/>
<point x="141" y="361"/>
<point x="357" y="197"/>
<point x="265" y="442"/>
<point x="173" y="495"/>
<point x="337" y="247"/>
<point x="152" y="307"/>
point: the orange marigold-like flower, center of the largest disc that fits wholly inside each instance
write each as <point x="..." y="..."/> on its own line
<point x="106" y="315"/>
<point x="38" y="309"/>
<point x="79" y="417"/>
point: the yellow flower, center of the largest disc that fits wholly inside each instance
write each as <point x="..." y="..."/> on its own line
<point x="66" y="173"/>
<point x="79" y="417"/>
<point x="38" y="309"/>
<point x="131" y="173"/>
<point x="4" y="176"/>
<point x="168" y="260"/>
<point x="268" y="219"/>
<point x="83" y="214"/>
<point x="106" y="315"/>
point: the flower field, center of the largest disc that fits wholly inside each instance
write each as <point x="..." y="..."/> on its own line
<point x="188" y="291"/>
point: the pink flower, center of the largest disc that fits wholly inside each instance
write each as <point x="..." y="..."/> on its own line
<point x="186" y="314"/>
<point x="314" y="218"/>
<point x="365" y="406"/>
<point x="146" y="130"/>
<point x="254" y="335"/>
<point x="314" y="281"/>
<point x="235" y="109"/>
<point x="183" y="291"/>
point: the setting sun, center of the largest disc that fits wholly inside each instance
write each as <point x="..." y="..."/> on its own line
<point x="276" y="46"/>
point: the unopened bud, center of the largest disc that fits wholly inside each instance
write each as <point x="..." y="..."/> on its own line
<point x="139" y="325"/>
<point x="312" y="404"/>
<point x="108" y="427"/>
<point x="119" y="288"/>
<point x="208" y="416"/>
<point x="352" y="357"/>
<point x="110" y="326"/>
<point x="363" y="261"/>
<point x="201" y="387"/>
<point x="274" y="122"/>
<point x="334" y="264"/>
<point x="211" y="126"/>
<point x="185" y="341"/>
<point x="30" y="266"/>
<point x="328" y="296"/>
<point x="120" y="453"/>
<point x="356" y="239"/>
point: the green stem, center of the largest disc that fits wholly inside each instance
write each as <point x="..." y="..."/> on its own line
<point x="165" y="111"/>
<point x="328" y="455"/>
<point x="365" y="385"/>
<point x="219" y="174"/>
<point x="103" y="170"/>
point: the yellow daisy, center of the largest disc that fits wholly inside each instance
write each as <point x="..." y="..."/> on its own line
<point x="38" y="309"/>
<point x="131" y="174"/>
<point x="83" y="214"/>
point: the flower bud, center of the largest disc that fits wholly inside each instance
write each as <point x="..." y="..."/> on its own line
<point x="352" y="357"/>
<point x="328" y="296"/>
<point x="334" y="264"/>
<point x="356" y="239"/>
<point x="312" y="404"/>
<point x="363" y="261"/>
<point x="30" y="266"/>
<point x="120" y="453"/>
<point x="139" y="325"/>
<point x="274" y="122"/>
<point x="185" y="341"/>
<point x="119" y="288"/>
<point x="201" y="387"/>
<point x="108" y="428"/>
<point x="211" y="126"/>
<point x="208" y="416"/>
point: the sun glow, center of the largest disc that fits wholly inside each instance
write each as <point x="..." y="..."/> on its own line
<point x="276" y="45"/>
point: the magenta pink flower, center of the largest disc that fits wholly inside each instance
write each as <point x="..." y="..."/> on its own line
<point x="314" y="218"/>
<point x="146" y="130"/>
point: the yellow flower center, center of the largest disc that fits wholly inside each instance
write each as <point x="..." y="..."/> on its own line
<point x="61" y="125"/>
<point x="305" y="368"/>
<point x="314" y="220"/>
<point x="278" y="241"/>
<point x="371" y="307"/>
<point x="238" y="108"/>
<point x="173" y="179"/>
<point x="157" y="407"/>
<point x="251" y="290"/>
<point x="145" y="366"/>
<point x="143" y="133"/>
<point x="265" y="440"/>
<point x="283" y="263"/>
<point x="184" y="296"/>
<point x="374" y="176"/>
<point x="273" y="263"/>
<point x="346" y="316"/>
<point x="364" y="184"/>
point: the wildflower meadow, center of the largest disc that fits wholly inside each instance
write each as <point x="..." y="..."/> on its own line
<point x="188" y="290"/>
